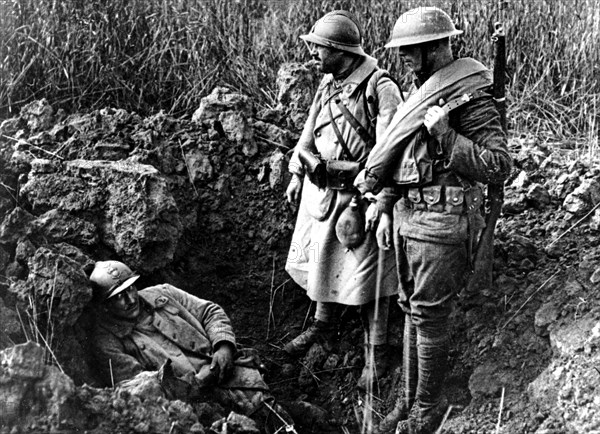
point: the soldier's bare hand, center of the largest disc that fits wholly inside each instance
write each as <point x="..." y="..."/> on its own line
<point x="384" y="232"/>
<point x="294" y="189"/>
<point x="436" y="120"/>
<point x="371" y="217"/>
<point x="222" y="361"/>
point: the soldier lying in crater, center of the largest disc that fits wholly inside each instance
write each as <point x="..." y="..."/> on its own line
<point x="164" y="327"/>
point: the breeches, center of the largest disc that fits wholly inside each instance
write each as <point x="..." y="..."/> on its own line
<point x="374" y="316"/>
<point x="430" y="275"/>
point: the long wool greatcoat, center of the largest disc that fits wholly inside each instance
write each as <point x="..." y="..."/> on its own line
<point x="317" y="261"/>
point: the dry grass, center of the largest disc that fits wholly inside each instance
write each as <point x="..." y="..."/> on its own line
<point x="146" y="55"/>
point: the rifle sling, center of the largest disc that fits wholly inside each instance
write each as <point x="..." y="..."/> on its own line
<point x="467" y="97"/>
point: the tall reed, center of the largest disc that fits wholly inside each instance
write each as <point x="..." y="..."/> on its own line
<point x="146" y="55"/>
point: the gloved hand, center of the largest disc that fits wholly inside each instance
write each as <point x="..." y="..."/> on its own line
<point x="222" y="361"/>
<point x="294" y="189"/>
<point x="384" y="232"/>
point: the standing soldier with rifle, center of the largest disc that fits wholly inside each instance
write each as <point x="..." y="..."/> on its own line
<point x="334" y="254"/>
<point x="443" y="143"/>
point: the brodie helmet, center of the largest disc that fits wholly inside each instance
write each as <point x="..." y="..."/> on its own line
<point x="109" y="278"/>
<point x="422" y="24"/>
<point x="339" y="30"/>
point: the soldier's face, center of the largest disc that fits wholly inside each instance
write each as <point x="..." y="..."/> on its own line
<point x="330" y="60"/>
<point x="412" y="57"/>
<point x="124" y="305"/>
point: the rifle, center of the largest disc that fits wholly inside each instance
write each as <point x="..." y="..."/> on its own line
<point x="484" y="252"/>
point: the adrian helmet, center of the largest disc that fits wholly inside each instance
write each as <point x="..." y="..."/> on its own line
<point x="422" y="24"/>
<point x="109" y="278"/>
<point x="339" y="30"/>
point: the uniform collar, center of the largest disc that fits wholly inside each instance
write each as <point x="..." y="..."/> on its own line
<point x="350" y="83"/>
<point x="122" y="327"/>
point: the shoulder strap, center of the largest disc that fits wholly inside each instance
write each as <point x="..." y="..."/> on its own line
<point x="337" y="132"/>
<point x="355" y="124"/>
<point x="362" y="132"/>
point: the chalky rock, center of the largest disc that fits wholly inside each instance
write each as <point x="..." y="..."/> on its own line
<point x="231" y="110"/>
<point x="24" y="361"/>
<point x="235" y="423"/>
<point x="10" y="325"/>
<point x="274" y="134"/>
<point x="146" y="384"/>
<point x="28" y="385"/>
<point x="57" y="284"/>
<point x="15" y="225"/>
<point x="538" y="195"/>
<point x="571" y="338"/>
<point x="277" y="169"/>
<point x="56" y="226"/>
<point x="129" y="203"/>
<point x="595" y="220"/>
<point x="199" y="166"/>
<point x="583" y="198"/>
<point x="293" y="80"/>
<point x="545" y="316"/>
<point x="38" y="115"/>
<point x="221" y="99"/>
<point x="297" y="84"/>
<point x="514" y="203"/>
<point x="570" y="390"/>
<point x="520" y="181"/>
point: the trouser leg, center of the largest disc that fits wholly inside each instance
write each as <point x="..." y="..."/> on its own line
<point x="410" y="363"/>
<point x="430" y="405"/>
<point x="374" y="316"/>
<point x="327" y="312"/>
<point x="432" y="350"/>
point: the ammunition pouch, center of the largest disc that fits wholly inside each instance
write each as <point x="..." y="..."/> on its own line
<point x="444" y="198"/>
<point x="314" y="166"/>
<point x="341" y="174"/>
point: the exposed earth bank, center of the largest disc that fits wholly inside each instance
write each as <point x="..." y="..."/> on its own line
<point x="199" y="202"/>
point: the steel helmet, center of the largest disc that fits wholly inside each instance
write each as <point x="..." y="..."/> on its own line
<point x="110" y="278"/>
<point x="422" y="24"/>
<point x="339" y="30"/>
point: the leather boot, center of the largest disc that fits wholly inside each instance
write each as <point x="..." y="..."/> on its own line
<point x="319" y="331"/>
<point x="406" y="393"/>
<point x="376" y="367"/>
<point x="423" y="419"/>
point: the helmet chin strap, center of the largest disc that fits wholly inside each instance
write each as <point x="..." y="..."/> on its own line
<point x="425" y="72"/>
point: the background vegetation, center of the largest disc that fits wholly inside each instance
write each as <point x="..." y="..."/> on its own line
<point x="147" y="55"/>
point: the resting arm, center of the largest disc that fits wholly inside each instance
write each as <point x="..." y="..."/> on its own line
<point x="110" y="355"/>
<point x="211" y="316"/>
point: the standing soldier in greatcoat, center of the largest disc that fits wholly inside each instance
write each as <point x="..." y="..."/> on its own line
<point x="353" y="105"/>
